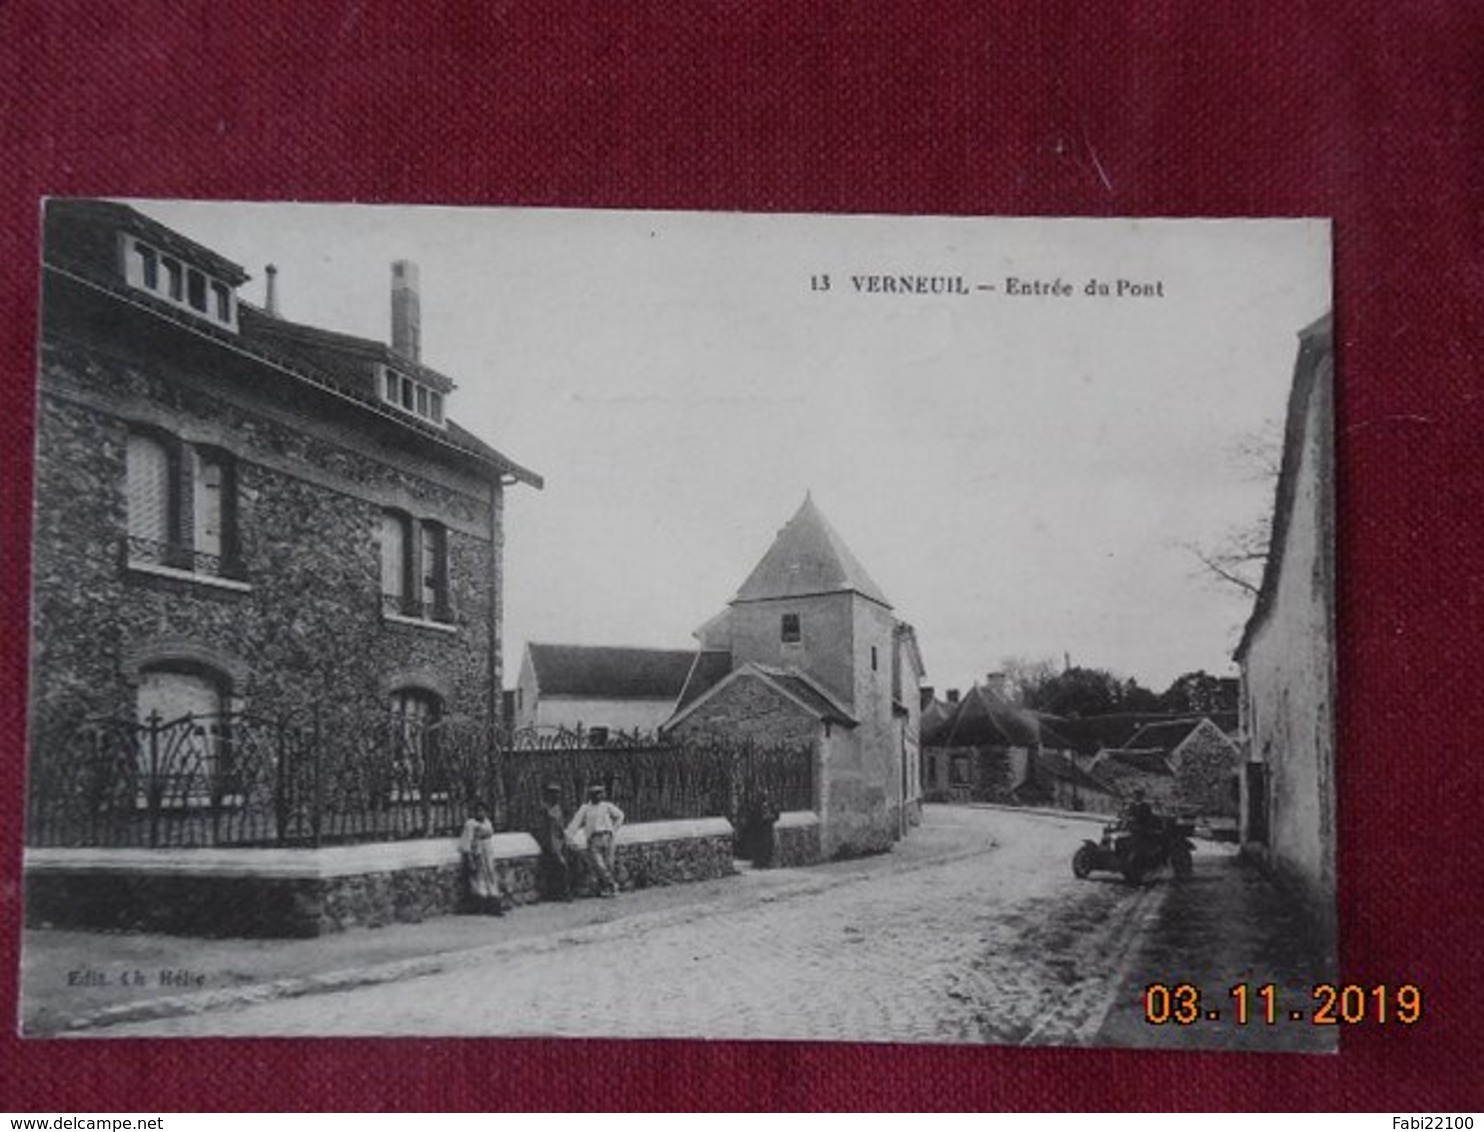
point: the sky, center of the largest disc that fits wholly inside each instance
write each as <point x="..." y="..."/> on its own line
<point x="1020" y="473"/>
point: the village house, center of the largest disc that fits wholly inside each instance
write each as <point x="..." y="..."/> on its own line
<point x="810" y="651"/>
<point x="242" y="518"/>
<point x="1203" y="760"/>
<point x="597" y="688"/>
<point x="1286" y="654"/>
<point x="979" y="745"/>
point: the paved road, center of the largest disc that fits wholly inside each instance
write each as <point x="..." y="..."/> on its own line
<point x="1000" y="945"/>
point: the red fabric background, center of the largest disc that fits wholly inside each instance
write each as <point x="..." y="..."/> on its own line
<point x="1370" y="113"/>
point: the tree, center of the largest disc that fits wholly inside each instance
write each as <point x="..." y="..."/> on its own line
<point x="1024" y="675"/>
<point x="1199" y="693"/>
<point x="1236" y="560"/>
<point x="1089" y="691"/>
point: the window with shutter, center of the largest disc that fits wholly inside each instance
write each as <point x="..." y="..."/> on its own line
<point x="394" y="562"/>
<point x="149" y="498"/>
<point x="209" y="483"/>
<point x="434" y="572"/>
<point x="184" y="749"/>
<point x="182" y="508"/>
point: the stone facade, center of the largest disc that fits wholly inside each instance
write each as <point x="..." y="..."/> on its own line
<point x="307" y="627"/>
<point x="810" y="612"/>
<point x="298" y="621"/>
<point x="1206" y="766"/>
<point x="753" y="709"/>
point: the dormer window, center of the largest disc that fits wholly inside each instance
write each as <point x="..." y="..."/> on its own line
<point x="411" y="396"/>
<point x="179" y="283"/>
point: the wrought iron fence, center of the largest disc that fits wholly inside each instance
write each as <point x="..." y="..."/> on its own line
<point x="243" y="779"/>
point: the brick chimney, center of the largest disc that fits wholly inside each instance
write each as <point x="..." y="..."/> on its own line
<point x="953" y="695"/>
<point x="407" y="315"/>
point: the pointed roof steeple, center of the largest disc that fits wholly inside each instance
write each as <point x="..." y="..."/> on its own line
<point x="807" y="558"/>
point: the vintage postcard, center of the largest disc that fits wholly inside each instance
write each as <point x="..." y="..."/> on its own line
<point x="622" y="624"/>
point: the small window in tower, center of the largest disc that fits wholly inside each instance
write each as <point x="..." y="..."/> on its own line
<point x="791" y="630"/>
<point x="873" y="658"/>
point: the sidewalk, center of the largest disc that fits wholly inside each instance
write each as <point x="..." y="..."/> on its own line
<point x="1226" y="925"/>
<point x="73" y="980"/>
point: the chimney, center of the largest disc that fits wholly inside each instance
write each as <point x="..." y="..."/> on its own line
<point x="997" y="682"/>
<point x="925" y="697"/>
<point x="407" y="316"/>
<point x="270" y="303"/>
<point x="953" y="695"/>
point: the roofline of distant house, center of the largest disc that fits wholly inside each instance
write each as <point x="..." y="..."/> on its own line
<point x="1312" y="340"/>
<point x="811" y="593"/>
<point x="499" y="462"/>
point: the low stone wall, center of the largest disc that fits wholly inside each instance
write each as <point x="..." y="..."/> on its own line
<point x="666" y="852"/>
<point x="796" y="840"/>
<point x="311" y="892"/>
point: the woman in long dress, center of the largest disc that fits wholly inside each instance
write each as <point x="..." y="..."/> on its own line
<point x="481" y="875"/>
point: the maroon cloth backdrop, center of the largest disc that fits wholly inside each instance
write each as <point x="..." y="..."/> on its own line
<point x="1367" y="112"/>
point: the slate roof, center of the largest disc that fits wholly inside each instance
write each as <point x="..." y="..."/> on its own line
<point x="934" y="717"/>
<point x="1091" y="733"/>
<point x="709" y="668"/>
<point x="324" y="359"/>
<point x="983" y="718"/>
<point x="605" y="672"/>
<point x="1162" y="736"/>
<point x="808" y="557"/>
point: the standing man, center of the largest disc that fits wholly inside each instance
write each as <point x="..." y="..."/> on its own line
<point x="599" y="821"/>
<point x="552" y="837"/>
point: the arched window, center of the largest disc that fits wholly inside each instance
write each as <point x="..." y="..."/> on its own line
<point x="416" y="766"/>
<point x="184" y="733"/>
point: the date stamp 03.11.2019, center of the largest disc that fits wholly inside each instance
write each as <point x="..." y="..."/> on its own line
<point x="1327" y="1004"/>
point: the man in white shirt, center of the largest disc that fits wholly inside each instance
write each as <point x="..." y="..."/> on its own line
<point x="598" y="820"/>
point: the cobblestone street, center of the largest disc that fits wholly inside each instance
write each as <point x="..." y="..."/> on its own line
<point x="991" y="941"/>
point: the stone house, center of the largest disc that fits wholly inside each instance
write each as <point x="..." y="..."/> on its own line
<point x="980" y="746"/>
<point x="810" y="650"/>
<point x="1204" y="760"/>
<point x="1286" y="654"/>
<point x="239" y="513"/>
<point x="602" y="688"/>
